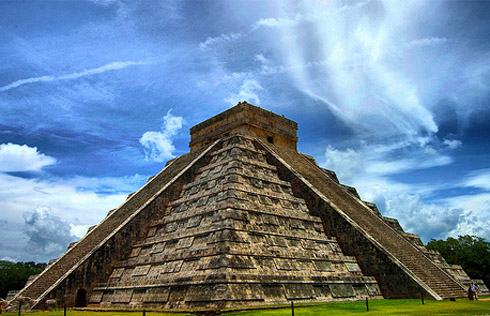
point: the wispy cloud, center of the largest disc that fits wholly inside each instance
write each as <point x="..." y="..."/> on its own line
<point x="248" y="92"/>
<point x="353" y="75"/>
<point x="105" y="2"/>
<point x="279" y="22"/>
<point x="426" y="42"/>
<point x="211" y="41"/>
<point x="89" y="72"/>
<point x="260" y="58"/>
<point x="453" y="143"/>
<point x="478" y="179"/>
<point x="284" y="22"/>
<point x="379" y="161"/>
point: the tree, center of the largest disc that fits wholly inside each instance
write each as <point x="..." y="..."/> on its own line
<point x="470" y="252"/>
<point x="13" y="276"/>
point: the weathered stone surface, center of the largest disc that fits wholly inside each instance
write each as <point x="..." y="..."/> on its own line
<point x="235" y="229"/>
<point x="400" y="267"/>
<point x="244" y="219"/>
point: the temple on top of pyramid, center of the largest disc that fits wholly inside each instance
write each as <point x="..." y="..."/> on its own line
<point x="243" y="219"/>
<point x="246" y="119"/>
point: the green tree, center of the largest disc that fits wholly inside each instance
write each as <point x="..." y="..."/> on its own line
<point x="13" y="276"/>
<point x="471" y="252"/>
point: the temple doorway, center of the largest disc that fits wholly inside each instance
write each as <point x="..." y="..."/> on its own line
<point x="81" y="298"/>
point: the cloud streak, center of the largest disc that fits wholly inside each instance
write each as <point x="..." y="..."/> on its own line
<point x="426" y="42"/>
<point x="211" y="41"/>
<point x="354" y="75"/>
<point x="89" y="72"/>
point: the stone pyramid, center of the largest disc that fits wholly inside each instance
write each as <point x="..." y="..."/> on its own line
<point x="243" y="219"/>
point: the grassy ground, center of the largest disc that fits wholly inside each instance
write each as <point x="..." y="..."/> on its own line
<point x="384" y="307"/>
<point x="379" y="307"/>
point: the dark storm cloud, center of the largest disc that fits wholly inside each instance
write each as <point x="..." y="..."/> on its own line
<point x="48" y="235"/>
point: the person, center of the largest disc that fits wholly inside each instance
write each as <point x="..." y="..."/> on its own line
<point x="470" y="291"/>
<point x="473" y="289"/>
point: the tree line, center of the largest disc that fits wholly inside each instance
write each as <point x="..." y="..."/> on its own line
<point x="13" y="276"/>
<point x="470" y="252"/>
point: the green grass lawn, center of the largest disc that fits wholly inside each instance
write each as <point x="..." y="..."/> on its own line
<point x="376" y="307"/>
<point x="383" y="307"/>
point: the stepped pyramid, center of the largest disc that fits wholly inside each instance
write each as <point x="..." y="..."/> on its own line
<point x="243" y="219"/>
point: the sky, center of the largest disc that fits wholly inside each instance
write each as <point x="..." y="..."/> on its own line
<point x="95" y="97"/>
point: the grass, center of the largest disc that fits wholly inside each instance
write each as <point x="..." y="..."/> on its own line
<point x="376" y="307"/>
<point x="383" y="307"/>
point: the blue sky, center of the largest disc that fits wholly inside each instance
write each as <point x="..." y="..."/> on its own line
<point x="95" y="96"/>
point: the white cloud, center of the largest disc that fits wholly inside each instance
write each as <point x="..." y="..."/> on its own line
<point x="108" y="67"/>
<point x="312" y="16"/>
<point x="105" y="2"/>
<point x="452" y="143"/>
<point x="279" y="22"/>
<point x="75" y="202"/>
<point x="65" y="200"/>
<point x="347" y="164"/>
<point x="427" y="220"/>
<point x="248" y="92"/>
<point x="79" y="230"/>
<point x="158" y="145"/>
<point x="261" y="58"/>
<point x="475" y="219"/>
<point x="107" y="185"/>
<point x="370" y="169"/>
<point x="426" y="42"/>
<point x="15" y="157"/>
<point x="374" y="161"/>
<point x="8" y="259"/>
<point x="273" y="70"/>
<point x="401" y="165"/>
<point x="211" y="41"/>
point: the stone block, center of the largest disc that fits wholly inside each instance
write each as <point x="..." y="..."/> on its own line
<point x="340" y="290"/>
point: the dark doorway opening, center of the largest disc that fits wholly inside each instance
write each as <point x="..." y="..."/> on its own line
<point x="81" y="298"/>
<point x="270" y="139"/>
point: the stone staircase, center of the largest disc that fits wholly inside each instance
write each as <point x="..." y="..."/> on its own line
<point x="81" y="251"/>
<point x="393" y="244"/>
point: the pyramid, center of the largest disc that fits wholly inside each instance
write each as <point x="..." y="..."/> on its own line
<point x="243" y="219"/>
